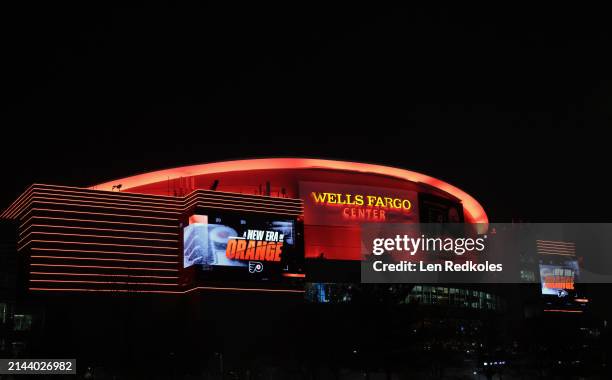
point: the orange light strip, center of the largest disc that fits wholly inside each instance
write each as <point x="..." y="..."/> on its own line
<point x="97" y="221"/>
<point x="105" y="282"/>
<point x="550" y="252"/>
<point x="95" y="236"/>
<point x="104" y="267"/>
<point x="561" y="247"/>
<point x="87" y="197"/>
<point x="105" y="192"/>
<point x="206" y="205"/>
<point x="245" y="289"/>
<point x="90" y="243"/>
<point x="474" y="211"/>
<point x="255" y="207"/>
<point x="582" y="300"/>
<point x="554" y="249"/>
<point x="15" y="206"/>
<point x="35" y="195"/>
<point x="556" y="254"/>
<point x="562" y="311"/>
<point x="167" y="291"/>
<point x="34" y="201"/>
<point x="556" y="246"/>
<point x="104" y="290"/>
<point x="101" y="259"/>
<point x="97" y="213"/>
<point x="95" y="203"/>
<point x="240" y="197"/>
<point x="105" y="195"/>
<point x="103" y="275"/>
<point x="556" y="242"/>
<point x="294" y="275"/>
<point x="104" y="252"/>
<point x="98" y="229"/>
<point x="12" y="213"/>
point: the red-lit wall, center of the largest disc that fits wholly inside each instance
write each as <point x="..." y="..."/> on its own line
<point x="330" y="242"/>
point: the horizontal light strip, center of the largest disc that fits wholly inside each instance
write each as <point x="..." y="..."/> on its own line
<point x="555" y="242"/>
<point x="558" y="247"/>
<point x="103" y="267"/>
<point x="96" y="236"/>
<point x="210" y="197"/>
<point x="103" y="192"/>
<point x="140" y="202"/>
<point x="97" y="204"/>
<point x="16" y="206"/>
<point x="169" y="292"/>
<point x="101" y="259"/>
<point x="24" y="200"/>
<point x="98" y="229"/>
<point x="34" y="201"/>
<point x="245" y="289"/>
<point x="245" y="205"/>
<point x="103" y="275"/>
<point x="106" y="196"/>
<point x="229" y="194"/>
<point x="105" y="282"/>
<point x="92" y="198"/>
<point x="562" y="311"/>
<point x="96" y="221"/>
<point x="276" y="202"/>
<point x="98" y="213"/>
<point x="571" y="249"/>
<point x="556" y="250"/>
<point x="556" y="254"/>
<point x="546" y="246"/>
<point x="294" y="275"/>
<point x="90" y="243"/>
<point x="104" y="290"/>
<point x="104" y="252"/>
<point x="244" y="209"/>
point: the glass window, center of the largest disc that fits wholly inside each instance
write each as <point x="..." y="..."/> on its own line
<point x="3" y="312"/>
<point x="22" y="322"/>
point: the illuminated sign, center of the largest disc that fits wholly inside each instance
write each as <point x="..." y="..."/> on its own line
<point x="253" y="246"/>
<point x="341" y="204"/>
<point x="362" y="206"/>
<point x="362" y="200"/>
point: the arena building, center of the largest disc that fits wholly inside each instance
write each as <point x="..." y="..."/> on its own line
<point x="155" y="232"/>
<point x="202" y="266"/>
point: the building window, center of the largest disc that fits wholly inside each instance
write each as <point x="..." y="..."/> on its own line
<point x="22" y="322"/>
<point x="3" y="313"/>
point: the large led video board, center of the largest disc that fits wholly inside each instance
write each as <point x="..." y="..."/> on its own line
<point x="227" y="245"/>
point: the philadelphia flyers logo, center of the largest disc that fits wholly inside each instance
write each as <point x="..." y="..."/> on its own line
<point x="255" y="266"/>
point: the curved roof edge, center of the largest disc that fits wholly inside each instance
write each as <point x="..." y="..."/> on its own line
<point x="470" y="205"/>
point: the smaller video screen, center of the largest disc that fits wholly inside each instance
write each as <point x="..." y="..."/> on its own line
<point x="559" y="279"/>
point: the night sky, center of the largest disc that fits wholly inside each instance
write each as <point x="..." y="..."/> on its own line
<point x="502" y="102"/>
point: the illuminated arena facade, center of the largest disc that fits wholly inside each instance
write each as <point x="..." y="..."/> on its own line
<point x="130" y="234"/>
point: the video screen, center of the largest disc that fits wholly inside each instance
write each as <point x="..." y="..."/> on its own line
<point x="228" y="242"/>
<point x="559" y="279"/>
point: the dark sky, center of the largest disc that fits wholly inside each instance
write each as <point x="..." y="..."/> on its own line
<point x="503" y="102"/>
